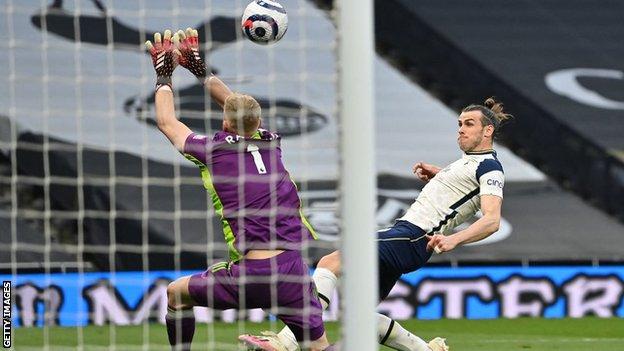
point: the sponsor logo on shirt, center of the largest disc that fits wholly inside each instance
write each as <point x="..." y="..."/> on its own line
<point x="495" y="182"/>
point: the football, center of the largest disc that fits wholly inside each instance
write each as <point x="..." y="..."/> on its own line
<point x="264" y="21"/>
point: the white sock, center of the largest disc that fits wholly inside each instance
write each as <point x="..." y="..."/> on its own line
<point x="325" y="282"/>
<point x="393" y="335"/>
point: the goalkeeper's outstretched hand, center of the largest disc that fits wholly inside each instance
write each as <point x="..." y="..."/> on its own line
<point x="189" y="58"/>
<point x="164" y="56"/>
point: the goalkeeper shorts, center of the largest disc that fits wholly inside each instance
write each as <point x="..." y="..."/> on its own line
<point x="281" y="282"/>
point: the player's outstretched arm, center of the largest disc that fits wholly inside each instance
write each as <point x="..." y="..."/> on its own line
<point x="190" y="59"/>
<point x="164" y="61"/>
<point x="218" y="90"/>
<point x="486" y="225"/>
<point x="425" y="171"/>
<point x="482" y="228"/>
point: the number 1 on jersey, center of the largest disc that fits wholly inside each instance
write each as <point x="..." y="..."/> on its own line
<point x="257" y="158"/>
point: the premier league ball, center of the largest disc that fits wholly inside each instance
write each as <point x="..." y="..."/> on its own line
<point x="264" y="21"/>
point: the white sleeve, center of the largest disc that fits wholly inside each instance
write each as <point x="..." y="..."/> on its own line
<point x="492" y="183"/>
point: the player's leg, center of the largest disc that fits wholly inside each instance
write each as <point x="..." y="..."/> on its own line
<point x="391" y="333"/>
<point x="325" y="278"/>
<point x="307" y="323"/>
<point x="401" y="249"/>
<point x="398" y="338"/>
<point x="320" y="344"/>
<point x="215" y="288"/>
<point x="299" y="308"/>
<point x="180" y="319"/>
<point x="395" y="258"/>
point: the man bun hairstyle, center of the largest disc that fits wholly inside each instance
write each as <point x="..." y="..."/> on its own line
<point x="491" y="113"/>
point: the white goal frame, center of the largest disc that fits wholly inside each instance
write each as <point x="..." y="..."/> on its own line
<point x="357" y="173"/>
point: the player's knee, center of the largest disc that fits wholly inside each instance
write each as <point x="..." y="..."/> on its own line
<point x="174" y="295"/>
<point x="331" y="262"/>
<point x="319" y="344"/>
<point x="171" y="293"/>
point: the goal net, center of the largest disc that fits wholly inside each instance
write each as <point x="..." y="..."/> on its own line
<point x="98" y="212"/>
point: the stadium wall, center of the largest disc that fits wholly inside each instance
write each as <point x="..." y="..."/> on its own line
<point x="130" y="298"/>
<point x="458" y="78"/>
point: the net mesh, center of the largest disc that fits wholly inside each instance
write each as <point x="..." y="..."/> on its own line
<point x="98" y="212"/>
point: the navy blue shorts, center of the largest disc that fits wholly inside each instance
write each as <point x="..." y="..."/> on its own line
<point x="401" y="249"/>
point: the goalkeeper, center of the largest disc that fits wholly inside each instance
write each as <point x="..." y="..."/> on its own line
<point x="258" y="203"/>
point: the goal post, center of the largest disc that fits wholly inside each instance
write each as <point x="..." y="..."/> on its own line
<point x="357" y="173"/>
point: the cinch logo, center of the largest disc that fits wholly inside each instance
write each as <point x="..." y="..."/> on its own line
<point x="495" y="182"/>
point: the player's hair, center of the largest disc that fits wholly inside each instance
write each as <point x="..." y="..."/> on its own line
<point x="491" y="113"/>
<point x="242" y="110"/>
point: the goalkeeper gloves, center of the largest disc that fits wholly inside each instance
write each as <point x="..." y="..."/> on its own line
<point x="163" y="54"/>
<point x="188" y="49"/>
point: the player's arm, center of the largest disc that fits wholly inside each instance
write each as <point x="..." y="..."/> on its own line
<point x="190" y="59"/>
<point x="482" y="228"/>
<point x="486" y="225"/>
<point x="218" y="90"/>
<point x="425" y="171"/>
<point x="164" y="61"/>
<point x="176" y="131"/>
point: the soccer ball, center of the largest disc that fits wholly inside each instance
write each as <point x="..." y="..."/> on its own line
<point x="264" y="21"/>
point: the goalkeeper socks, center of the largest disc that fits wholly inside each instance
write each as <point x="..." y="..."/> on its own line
<point x="393" y="335"/>
<point x="325" y="282"/>
<point x="180" y="328"/>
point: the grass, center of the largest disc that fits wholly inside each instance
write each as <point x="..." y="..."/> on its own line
<point x="586" y="334"/>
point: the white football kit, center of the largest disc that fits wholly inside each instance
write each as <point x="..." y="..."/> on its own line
<point x="453" y="195"/>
